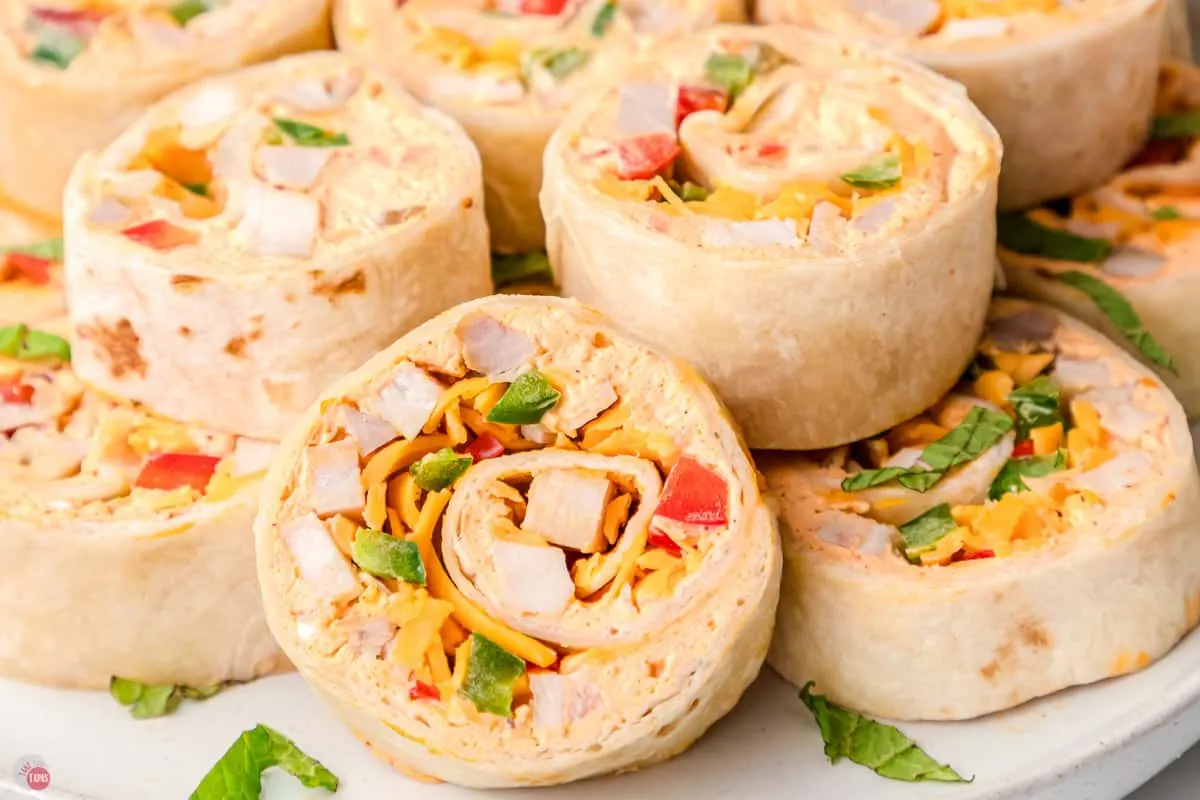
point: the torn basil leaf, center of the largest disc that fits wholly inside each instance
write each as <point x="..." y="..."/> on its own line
<point x="521" y="268"/>
<point x="922" y="533"/>
<point x="968" y="440"/>
<point x="1009" y="479"/>
<point x="148" y="701"/>
<point x="1166" y="212"/>
<point x="881" y="748"/>
<point x="304" y="135"/>
<point x="1036" y="405"/>
<point x="1020" y="234"/>
<point x="1185" y="125"/>
<point x="55" y="47"/>
<point x="881" y="172"/>
<point x="1119" y="311"/>
<point x="238" y="774"/>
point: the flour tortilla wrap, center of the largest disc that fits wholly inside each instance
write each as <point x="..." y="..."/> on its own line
<point x="73" y="77"/>
<point x="1087" y="566"/>
<point x="786" y="280"/>
<point x="625" y="484"/>
<point x="1137" y="235"/>
<point x="30" y="270"/>
<point x="508" y="77"/>
<point x="336" y="214"/>
<point x="1070" y="90"/>
<point x="117" y="577"/>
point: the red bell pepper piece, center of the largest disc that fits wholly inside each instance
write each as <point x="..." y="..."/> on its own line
<point x="484" y="446"/>
<point x="423" y="691"/>
<point x="176" y="470"/>
<point x="67" y="16"/>
<point x="770" y="149"/>
<point x="698" y="98"/>
<point x="1023" y="449"/>
<point x="643" y="157"/>
<point x="694" y="494"/>
<point x="663" y="542"/>
<point x="160" y="234"/>
<point x="979" y="554"/>
<point x="34" y="269"/>
<point x="546" y="8"/>
<point x="12" y="390"/>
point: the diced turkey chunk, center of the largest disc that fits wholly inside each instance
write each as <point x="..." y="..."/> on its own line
<point x="535" y="579"/>
<point x="320" y="563"/>
<point x="336" y="485"/>
<point x="408" y="399"/>
<point x="566" y="507"/>
<point x="559" y="700"/>
<point x="492" y="348"/>
<point x="368" y="431"/>
<point x="978" y="28"/>
<point x="251" y="456"/>
<point x="644" y="108"/>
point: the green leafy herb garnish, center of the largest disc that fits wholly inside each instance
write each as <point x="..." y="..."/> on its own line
<point x="49" y="249"/>
<point x="185" y="11"/>
<point x="1185" y="125"/>
<point x="196" y="188"/>
<point x="1121" y="314"/>
<point x="1020" y="234"/>
<point x="878" y="747"/>
<point x="526" y="400"/>
<point x="305" y="135"/>
<point x="521" y="267"/>
<point x="239" y="772"/>
<point x="26" y="344"/>
<point x="733" y="73"/>
<point x="968" y="440"/>
<point x="386" y="556"/>
<point x="604" y="19"/>
<point x="1008" y="480"/>
<point x="1166" y="212"/>
<point x="881" y="172"/>
<point x="55" y="47"/>
<point x="1036" y="405"/>
<point x="922" y="533"/>
<point x="148" y="702"/>
<point x="440" y="470"/>
<point x="491" y="672"/>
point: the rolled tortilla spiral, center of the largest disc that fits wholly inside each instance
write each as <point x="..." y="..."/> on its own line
<point x="562" y="547"/>
<point x="260" y="233"/>
<point x="732" y="163"/>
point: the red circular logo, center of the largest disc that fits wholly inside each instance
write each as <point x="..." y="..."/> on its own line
<point x="38" y="778"/>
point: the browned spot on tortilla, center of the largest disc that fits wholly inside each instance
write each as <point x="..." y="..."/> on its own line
<point x="1033" y="634"/>
<point x="289" y="297"/>
<point x="395" y="216"/>
<point x="468" y="202"/>
<point x="118" y="345"/>
<point x="187" y="283"/>
<point x="256" y="319"/>
<point x="236" y="347"/>
<point x="185" y="331"/>
<point x="255" y="335"/>
<point x="356" y="283"/>
<point x="1003" y="655"/>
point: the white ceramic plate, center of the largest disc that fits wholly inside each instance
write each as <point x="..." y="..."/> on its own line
<point x="1097" y="742"/>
